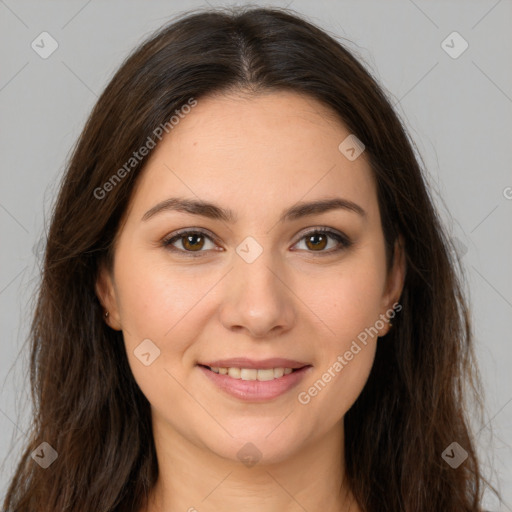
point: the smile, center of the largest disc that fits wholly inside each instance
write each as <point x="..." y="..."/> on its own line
<point x="254" y="384"/>
<point x="261" y="374"/>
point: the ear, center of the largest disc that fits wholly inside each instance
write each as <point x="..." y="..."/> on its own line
<point x="396" y="278"/>
<point x="106" y="293"/>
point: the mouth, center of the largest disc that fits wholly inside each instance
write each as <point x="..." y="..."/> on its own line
<point x="255" y="384"/>
<point x="251" y="374"/>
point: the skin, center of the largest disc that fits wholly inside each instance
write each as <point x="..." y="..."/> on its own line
<point x="257" y="155"/>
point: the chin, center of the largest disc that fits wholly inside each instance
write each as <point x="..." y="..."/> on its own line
<point x="256" y="446"/>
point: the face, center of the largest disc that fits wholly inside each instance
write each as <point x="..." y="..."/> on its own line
<point x="188" y="289"/>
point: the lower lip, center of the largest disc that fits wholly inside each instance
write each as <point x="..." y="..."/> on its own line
<point x="256" y="390"/>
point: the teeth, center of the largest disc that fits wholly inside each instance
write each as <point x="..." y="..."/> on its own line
<point x="252" y="373"/>
<point x="234" y="372"/>
<point x="278" y="372"/>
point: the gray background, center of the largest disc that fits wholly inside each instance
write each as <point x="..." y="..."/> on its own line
<point x="457" y="110"/>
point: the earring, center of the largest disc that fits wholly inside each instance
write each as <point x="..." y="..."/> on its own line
<point x="106" y="314"/>
<point x="390" y="324"/>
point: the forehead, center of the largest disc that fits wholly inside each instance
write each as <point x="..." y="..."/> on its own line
<point x="255" y="154"/>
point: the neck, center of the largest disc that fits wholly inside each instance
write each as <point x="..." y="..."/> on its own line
<point x="195" y="479"/>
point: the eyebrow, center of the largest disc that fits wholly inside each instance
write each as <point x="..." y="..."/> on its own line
<point x="213" y="211"/>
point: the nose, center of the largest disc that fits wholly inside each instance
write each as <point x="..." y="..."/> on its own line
<point x="257" y="299"/>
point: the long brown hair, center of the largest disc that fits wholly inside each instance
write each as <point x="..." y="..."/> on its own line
<point x="87" y="405"/>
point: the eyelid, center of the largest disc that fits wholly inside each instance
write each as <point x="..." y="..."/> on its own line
<point x="168" y="240"/>
<point x="343" y="240"/>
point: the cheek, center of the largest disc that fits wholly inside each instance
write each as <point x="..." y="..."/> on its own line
<point x="349" y="304"/>
<point x="170" y="308"/>
<point x="158" y="321"/>
<point x="344" y="359"/>
<point x="338" y="385"/>
<point x="156" y="300"/>
<point x="349" y="299"/>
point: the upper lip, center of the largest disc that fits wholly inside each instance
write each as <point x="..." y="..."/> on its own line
<point x="244" y="362"/>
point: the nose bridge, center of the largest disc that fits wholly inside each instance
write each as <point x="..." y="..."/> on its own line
<point x="256" y="297"/>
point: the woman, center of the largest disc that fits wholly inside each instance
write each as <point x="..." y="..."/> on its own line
<point x="248" y="299"/>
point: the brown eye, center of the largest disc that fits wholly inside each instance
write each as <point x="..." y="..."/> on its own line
<point x="316" y="241"/>
<point x="192" y="243"/>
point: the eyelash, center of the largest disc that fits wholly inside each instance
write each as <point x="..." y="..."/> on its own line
<point x="344" y="241"/>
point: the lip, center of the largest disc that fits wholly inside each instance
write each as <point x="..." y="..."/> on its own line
<point x="244" y="362"/>
<point x="255" y="390"/>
